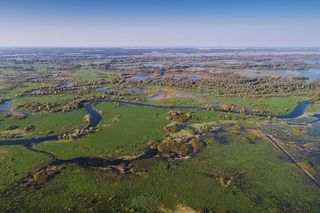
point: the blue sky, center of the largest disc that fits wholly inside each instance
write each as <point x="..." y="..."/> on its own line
<point x="146" y="23"/>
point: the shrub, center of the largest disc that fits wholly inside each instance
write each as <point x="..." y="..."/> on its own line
<point x="197" y="144"/>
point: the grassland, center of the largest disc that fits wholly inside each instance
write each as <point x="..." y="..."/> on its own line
<point x="12" y="93"/>
<point x="256" y="184"/>
<point x="237" y="169"/>
<point x="43" y="123"/>
<point x="123" y="130"/>
<point x="16" y="162"/>
<point x="271" y="105"/>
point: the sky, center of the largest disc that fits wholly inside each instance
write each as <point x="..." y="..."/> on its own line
<point x="159" y="23"/>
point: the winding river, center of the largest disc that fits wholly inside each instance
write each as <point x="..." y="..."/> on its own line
<point x="96" y="118"/>
<point x="118" y="164"/>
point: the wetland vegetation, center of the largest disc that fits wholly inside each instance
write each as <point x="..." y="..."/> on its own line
<point x="159" y="130"/>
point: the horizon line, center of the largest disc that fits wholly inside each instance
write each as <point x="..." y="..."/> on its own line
<point x="167" y="47"/>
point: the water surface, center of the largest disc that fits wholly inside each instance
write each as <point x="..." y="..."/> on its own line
<point x="296" y="112"/>
<point x="6" y="106"/>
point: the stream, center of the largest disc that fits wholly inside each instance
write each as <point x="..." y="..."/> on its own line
<point x="117" y="164"/>
<point x="96" y="118"/>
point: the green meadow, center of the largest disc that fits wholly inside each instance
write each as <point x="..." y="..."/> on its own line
<point x="261" y="180"/>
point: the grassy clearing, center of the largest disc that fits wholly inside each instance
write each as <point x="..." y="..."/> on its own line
<point x="59" y="99"/>
<point x="8" y="72"/>
<point x="11" y="94"/>
<point x="314" y="108"/>
<point x="86" y="74"/>
<point x="44" y="122"/>
<point x="16" y="162"/>
<point x="124" y="130"/>
<point x="273" y="105"/>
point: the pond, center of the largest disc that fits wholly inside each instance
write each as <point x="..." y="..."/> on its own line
<point x="4" y="107"/>
<point x="194" y="78"/>
<point x="35" y="91"/>
<point x="145" y="65"/>
<point x="232" y="62"/>
<point x="141" y="77"/>
<point x="105" y="89"/>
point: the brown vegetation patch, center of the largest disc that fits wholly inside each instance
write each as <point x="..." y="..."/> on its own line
<point x="180" y="208"/>
<point x="307" y="166"/>
<point x="178" y="116"/>
<point x="172" y="128"/>
<point x="144" y="165"/>
<point x="11" y="127"/>
<point x="257" y="133"/>
<point x="246" y="139"/>
<point x="171" y="146"/>
<point x="236" y="129"/>
<point x="87" y="118"/>
<point x="41" y="176"/>
<point x="3" y="151"/>
<point x="28" y="128"/>
<point x="197" y="144"/>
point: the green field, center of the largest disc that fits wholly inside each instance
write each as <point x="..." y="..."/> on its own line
<point x="43" y="123"/>
<point x="256" y="184"/>
<point x="16" y="162"/>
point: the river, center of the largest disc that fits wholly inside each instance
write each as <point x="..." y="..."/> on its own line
<point x="96" y="118"/>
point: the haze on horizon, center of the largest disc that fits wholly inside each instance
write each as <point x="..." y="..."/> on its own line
<point x="147" y="23"/>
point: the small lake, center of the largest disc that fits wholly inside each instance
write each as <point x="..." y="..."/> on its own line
<point x="137" y="91"/>
<point x="312" y="74"/>
<point x="232" y="62"/>
<point x="185" y="77"/>
<point x="105" y="89"/>
<point x="6" y="106"/>
<point x="35" y="91"/>
<point x="141" y="77"/>
<point x="145" y="66"/>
